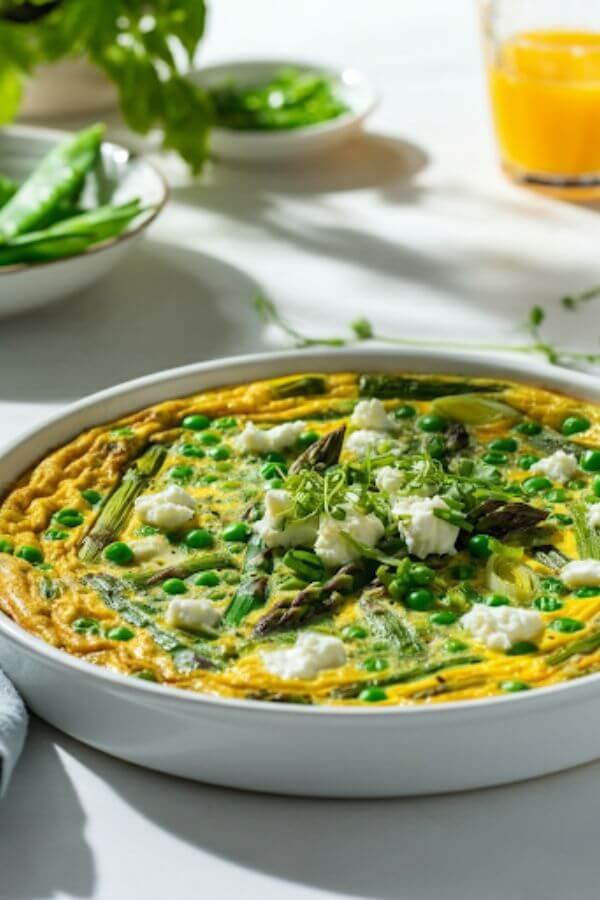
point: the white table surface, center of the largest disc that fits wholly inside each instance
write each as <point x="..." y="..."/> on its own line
<point x="415" y="227"/>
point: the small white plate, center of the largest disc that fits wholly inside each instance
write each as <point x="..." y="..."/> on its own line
<point x="351" y="85"/>
<point x="120" y="177"/>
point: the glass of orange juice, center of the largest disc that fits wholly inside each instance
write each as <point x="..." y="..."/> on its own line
<point x="543" y="62"/>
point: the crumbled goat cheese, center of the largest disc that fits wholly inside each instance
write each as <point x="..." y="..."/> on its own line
<point x="499" y="627"/>
<point x="311" y="653"/>
<point x="168" y="509"/>
<point x="581" y="573"/>
<point x="560" y="466"/>
<point x="593" y="515"/>
<point x="195" y="615"/>
<point x="365" y="442"/>
<point x="273" y="528"/>
<point x="155" y="545"/>
<point x="423" y="532"/>
<point x="371" y="414"/>
<point x="262" y="440"/>
<point x="332" y="547"/>
<point x="389" y="480"/>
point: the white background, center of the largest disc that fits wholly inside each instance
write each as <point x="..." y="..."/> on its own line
<point x="415" y="227"/>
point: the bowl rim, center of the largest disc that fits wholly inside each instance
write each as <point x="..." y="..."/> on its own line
<point x="356" y="359"/>
<point x="33" y="132"/>
<point x="352" y="116"/>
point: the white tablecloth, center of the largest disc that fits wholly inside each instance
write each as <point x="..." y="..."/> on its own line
<point x="416" y="228"/>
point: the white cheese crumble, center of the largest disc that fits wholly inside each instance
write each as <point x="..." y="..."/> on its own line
<point x="371" y="414"/>
<point x="499" y="627"/>
<point x="389" y="480"/>
<point x="365" y="442"/>
<point x="167" y="509"/>
<point x="331" y="546"/>
<point x="581" y="573"/>
<point x="195" y="615"/>
<point x="151" y="547"/>
<point x="273" y="528"/>
<point x="423" y="532"/>
<point x="593" y="515"/>
<point x="311" y="653"/>
<point x="262" y="440"/>
<point x="560" y="466"/>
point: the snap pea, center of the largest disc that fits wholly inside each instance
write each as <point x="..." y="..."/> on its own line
<point x="58" y="176"/>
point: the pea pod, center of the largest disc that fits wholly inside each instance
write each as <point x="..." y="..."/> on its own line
<point x="57" y="177"/>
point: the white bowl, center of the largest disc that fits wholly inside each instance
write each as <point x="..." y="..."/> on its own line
<point x="121" y="176"/>
<point x="228" y="143"/>
<point x="319" y="751"/>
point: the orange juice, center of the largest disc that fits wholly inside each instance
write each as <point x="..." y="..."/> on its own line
<point x="545" y="91"/>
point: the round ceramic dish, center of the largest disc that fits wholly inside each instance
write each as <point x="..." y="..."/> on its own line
<point x="351" y="85"/>
<point x="318" y="751"/>
<point x="123" y="177"/>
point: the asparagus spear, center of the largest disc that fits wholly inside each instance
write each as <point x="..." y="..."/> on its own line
<point x="586" y="644"/>
<point x="353" y="690"/>
<point x="199" y="562"/>
<point x="588" y="543"/>
<point x="253" y="587"/>
<point x="116" y="509"/>
<point x="322" y="454"/>
<point x="388" y="387"/>
<point x="313" y="600"/>
<point x="308" y="385"/>
<point x="549" y="440"/>
<point x="387" y="625"/>
<point x="549" y="556"/>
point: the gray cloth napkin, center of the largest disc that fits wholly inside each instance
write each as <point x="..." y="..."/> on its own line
<point x="13" y="727"/>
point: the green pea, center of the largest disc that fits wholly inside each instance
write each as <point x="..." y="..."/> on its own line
<point x="406" y="411"/>
<point x="182" y="473"/>
<point x="273" y="470"/>
<point x="86" y="626"/>
<point x="192" y="450"/>
<point x="505" y="445"/>
<point x="307" y="438"/>
<point x="174" y="586"/>
<point x="277" y="483"/>
<point x="30" y="554"/>
<point x="557" y="495"/>
<point x="147" y="530"/>
<point x="209" y="438"/>
<point x="436" y="447"/>
<point x="432" y="422"/>
<point x="225" y="423"/>
<point x="479" y="546"/>
<point x="55" y="534"/>
<point x="372" y="695"/>
<point x="576" y="484"/>
<point x="70" y="518"/>
<point x="354" y="632"/>
<point x="92" y="497"/>
<point x="495" y="458"/>
<point x="237" y="531"/>
<point x="536" y="484"/>
<point x="574" y="425"/>
<point x="119" y="553"/>
<point x="120" y="633"/>
<point x="562" y="518"/>
<point x="529" y="428"/>
<point x="527" y="461"/>
<point x="548" y="604"/>
<point x="590" y="461"/>
<point x="198" y="539"/>
<point x="455" y="646"/>
<point x="421" y="574"/>
<point x="275" y="457"/>
<point x="497" y="600"/>
<point x="462" y="572"/>
<point x="231" y="577"/>
<point x="375" y="664"/>
<point x="6" y="546"/>
<point x="196" y="422"/>
<point x="587" y="592"/>
<point x="553" y="585"/>
<point x="217" y="595"/>
<point x="145" y="675"/>
<point x="443" y="618"/>
<point x="220" y="453"/>
<point x="520" y="648"/>
<point x="207" y="579"/>
<point x="565" y="625"/>
<point x="208" y="479"/>
<point x="596" y="485"/>
<point x="420" y="599"/>
<point x="512" y="687"/>
<point x="397" y="589"/>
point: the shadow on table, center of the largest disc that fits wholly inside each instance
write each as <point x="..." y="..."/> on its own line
<point x="43" y="850"/>
<point x="165" y="306"/>
<point x="536" y="839"/>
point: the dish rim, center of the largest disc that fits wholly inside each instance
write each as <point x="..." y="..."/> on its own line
<point x="353" y="115"/>
<point x="34" y="132"/>
<point x="399" y="359"/>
